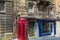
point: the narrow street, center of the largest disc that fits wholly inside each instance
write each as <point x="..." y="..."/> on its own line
<point x="46" y="38"/>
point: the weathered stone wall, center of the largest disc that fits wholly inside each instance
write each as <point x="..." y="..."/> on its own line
<point x="57" y="28"/>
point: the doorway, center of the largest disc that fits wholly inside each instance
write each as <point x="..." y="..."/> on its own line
<point x="51" y="28"/>
<point x="47" y="27"/>
<point x="33" y="29"/>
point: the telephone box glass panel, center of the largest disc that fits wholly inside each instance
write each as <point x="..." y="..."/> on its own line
<point x="45" y="27"/>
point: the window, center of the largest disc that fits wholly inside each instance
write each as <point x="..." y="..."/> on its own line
<point x="24" y="30"/>
<point x="50" y="11"/>
<point x="2" y="6"/>
<point x="45" y="28"/>
<point x="31" y="9"/>
<point x="2" y="23"/>
<point x="31" y="29"/>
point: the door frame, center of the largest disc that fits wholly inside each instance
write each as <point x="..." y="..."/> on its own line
<point x="40" y="21"/>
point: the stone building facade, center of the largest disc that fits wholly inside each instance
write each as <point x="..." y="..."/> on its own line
<point x="35" y="10"/>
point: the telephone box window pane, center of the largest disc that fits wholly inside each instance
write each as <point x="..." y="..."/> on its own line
<point x="45" y="28"/>
<point x="25" y="30"/>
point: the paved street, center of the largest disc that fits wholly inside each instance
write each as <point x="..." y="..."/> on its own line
<point x="46" y="38"/>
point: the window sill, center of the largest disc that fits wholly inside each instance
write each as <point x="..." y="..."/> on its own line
<point x="2" y="11"/>
<point x="8" y="33"/>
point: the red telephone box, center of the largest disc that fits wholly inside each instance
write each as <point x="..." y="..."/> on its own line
<point x="22" y="29"/>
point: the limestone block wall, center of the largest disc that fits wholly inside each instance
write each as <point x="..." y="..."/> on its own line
<point x="57" y="28"/>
